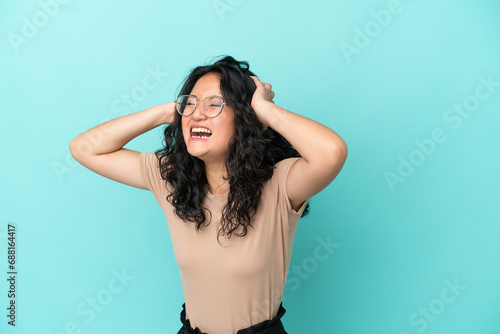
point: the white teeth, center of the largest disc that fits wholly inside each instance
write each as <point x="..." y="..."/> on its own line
<point x="201" y="130"/>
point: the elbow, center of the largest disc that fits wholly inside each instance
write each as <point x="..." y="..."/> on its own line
<point x="72" y="147"/>
<point x="339" y="151"/>
<point x="76" y="149"/>
<point x="344" y="150"/>
<point x="338" y="155"/>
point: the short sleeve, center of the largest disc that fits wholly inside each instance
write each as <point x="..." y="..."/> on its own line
<point x="150" y="171"/>
<point x="282" y="168"/>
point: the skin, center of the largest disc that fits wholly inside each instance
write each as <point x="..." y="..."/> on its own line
<point x="214" y="149"/>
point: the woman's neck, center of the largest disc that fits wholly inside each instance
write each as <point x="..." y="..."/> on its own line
<point x="215" y="177"/>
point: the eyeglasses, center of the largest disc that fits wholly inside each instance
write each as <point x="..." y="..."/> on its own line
<point x="212" y="105"/>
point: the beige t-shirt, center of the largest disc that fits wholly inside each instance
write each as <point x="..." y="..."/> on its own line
<point x="233" y="287"/>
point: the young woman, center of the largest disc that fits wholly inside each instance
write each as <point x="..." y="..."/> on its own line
<point x="234" y="163"/>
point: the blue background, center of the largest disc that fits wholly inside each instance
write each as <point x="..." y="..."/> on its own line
<point x="407" y="220"/>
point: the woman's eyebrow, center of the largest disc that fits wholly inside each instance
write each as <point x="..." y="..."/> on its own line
<point x="207" y="95"/>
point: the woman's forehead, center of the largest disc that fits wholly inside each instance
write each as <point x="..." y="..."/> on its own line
<point x="209" y="84"/>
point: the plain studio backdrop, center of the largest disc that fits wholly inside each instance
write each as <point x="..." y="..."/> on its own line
<point x="404" y="241"/>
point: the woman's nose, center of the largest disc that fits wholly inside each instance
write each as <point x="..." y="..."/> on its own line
<point x="198" y="111"/>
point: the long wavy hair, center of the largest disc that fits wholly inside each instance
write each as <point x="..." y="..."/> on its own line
<point x="250" y="160"/>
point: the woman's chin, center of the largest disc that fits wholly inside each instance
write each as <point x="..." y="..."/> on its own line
<point x="196" y="153"/>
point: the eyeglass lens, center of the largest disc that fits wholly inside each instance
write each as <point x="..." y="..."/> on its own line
<point x="186" y="105"/>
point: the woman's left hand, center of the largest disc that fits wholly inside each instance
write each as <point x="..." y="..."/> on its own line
<point x="262" y="96"/>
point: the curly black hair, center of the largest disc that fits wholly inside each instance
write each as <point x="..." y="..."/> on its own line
<point x="250" y="160"/>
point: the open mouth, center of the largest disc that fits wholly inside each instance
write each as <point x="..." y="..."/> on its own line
<point x="201" y="133"/>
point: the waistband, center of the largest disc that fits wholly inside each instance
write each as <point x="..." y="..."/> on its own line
<point x="273" y="326"/>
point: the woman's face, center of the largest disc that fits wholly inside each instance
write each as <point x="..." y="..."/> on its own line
<point x="212" y="149"/>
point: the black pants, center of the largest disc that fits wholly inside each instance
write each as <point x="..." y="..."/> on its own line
<point x="273" y="326"/>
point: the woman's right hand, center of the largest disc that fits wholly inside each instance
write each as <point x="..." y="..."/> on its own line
<point x="169" y="112"/>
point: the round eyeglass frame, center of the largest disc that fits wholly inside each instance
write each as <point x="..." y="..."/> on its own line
<point x="202" y="105"/>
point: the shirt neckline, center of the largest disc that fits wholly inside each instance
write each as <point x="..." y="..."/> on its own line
<point x="210" y="195"/>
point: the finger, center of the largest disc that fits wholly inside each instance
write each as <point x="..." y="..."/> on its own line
<point x="255" y="79"/>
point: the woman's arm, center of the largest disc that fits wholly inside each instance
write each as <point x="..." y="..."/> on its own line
<point x="323" y="151"/>
<point x="100" y="149"/>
